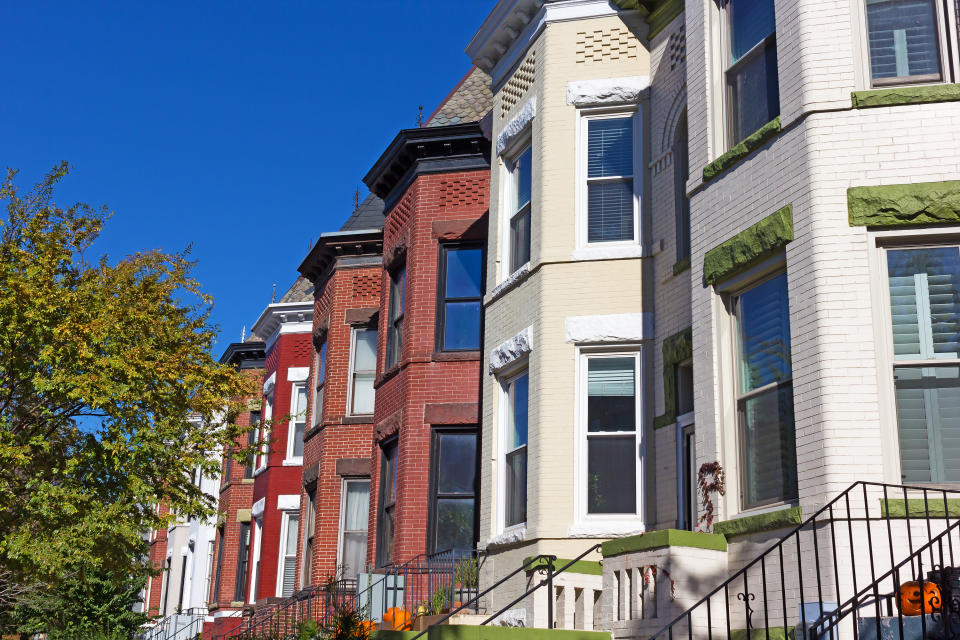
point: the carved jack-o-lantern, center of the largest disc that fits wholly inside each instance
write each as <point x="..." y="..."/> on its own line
<point x="914" y="599"/>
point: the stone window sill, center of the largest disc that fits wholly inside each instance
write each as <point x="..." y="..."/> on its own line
<point x="894" y="96"/>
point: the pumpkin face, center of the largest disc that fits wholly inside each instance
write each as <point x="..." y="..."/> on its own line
<point x="914" y="599"/>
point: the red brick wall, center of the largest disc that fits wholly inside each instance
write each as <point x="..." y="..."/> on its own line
<point x="158" y="556"/>
<point x="422" y="376"/>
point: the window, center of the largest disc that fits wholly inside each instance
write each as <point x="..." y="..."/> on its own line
<point x="363" y="365"/>
<point x="210" y="552"/>
<point x="354" y="515"/>
<point x="681" y="171"/>
<point x="753" y="90"/>
<point x="263" y="432"/>
<point x="518" y="206"/>
<point x="252" y="437"/>
<point x="321" y="377"/>
<point x="183" y="581"/>
<point x="765" y="394"/>
<point x="517" y="393"/>
<point x="398" y="294"/>
<point x="460" y="305"/>
<point x="388" y="503"/>
<point x="924" y="285"/>
<point x="686" y="449"/>
<point x="215" y="596"/>
<point x="166" y="586"/>
<point x="298" y="422"/>
<point x="309" y="531"/>
<point x="904" y="41"/>
<point x="243" y="562"/>
<point x="255" y="572"/>
<point x="612" y="448"/>
<point x="287" y="569"/>
<point x="611" y="192"/>
<point x="453" y="489"/>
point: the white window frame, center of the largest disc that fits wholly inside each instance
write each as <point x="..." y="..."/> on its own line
<point x="508" y="178"/>
<point x="505" y="380"/>
<point x="281" y="555"/>
<point x="309" y="517"/>
<point x="319" y="386"/>
<point x="582" y="208"/>
<point x="291" y="459"/>
<point x="683" y="422"/>
<point x="263" y="432"/>
<point x="948" y="40"/>
<point x="341" y="524"/>
<point x="618" y="521"/>
<point x="352" y="374"/>
<point x="255" y="560"/>
<point x="883" y="334"/>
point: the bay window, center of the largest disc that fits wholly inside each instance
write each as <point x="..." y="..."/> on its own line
<point x="460" y="307"/>
<point x="386" y="520"/>
<point x="354" y="514"/>
<point x="363" y="366"/>
<point x="320" y="379"/>
<point x="518" y="205"/>
<point x="453" y="489"/>
<point x="298" y="422"/>
<point x="904" y="41"/>
<point x="924" y="288"/>
<point x="396" y="302"/>
<point x="612" y="418"/>
<point x="753" y="90"/>
<point x="517" y="396"/>
<point x="609" y="164"/>
<point x="287" y="569"/>
<point x="768" y="461"/>
<point x="309" y="533"/>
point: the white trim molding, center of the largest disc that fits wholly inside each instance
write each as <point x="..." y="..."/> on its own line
<point x="517" y="126"/>
<point x="619" y="327"/>
<point x="509" y="351"/>
<point x="288" y="502"/>
<point x="257" y="509"/>
<point x="298" y="374"/>
<point x="604" y="529"/>
<point x="269" y="384"/>
<point x="627" y="90"/>
<point x="510" y="536"/>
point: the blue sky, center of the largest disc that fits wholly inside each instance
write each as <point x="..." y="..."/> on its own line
<point x="243" y="128"/>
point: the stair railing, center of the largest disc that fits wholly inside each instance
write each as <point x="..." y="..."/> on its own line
<point x="846" y="546"/>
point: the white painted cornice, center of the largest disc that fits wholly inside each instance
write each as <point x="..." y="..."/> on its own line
<point x="284" y="317"/>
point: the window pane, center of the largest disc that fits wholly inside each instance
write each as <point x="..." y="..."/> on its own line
<point x="519" y="240"/>
<point x="354" y="554"/>
<point x="516" y="487"/>
<point x="611" y="394"/>
<point x="684" y="389"/>
<point x="520" y="397"/>
<point x="456" y="468"/>
<point x="928" y="415"/>
<point x="522" y="178"/>
<point x="298" y="429"/>
<point x="611" y="475"/>
<point x="464" y="268"/>
<point x="293" y="524"/>
<point x="322" y="363"/>
<point x="750" y="21"/>
<point x="681" y="173"/>
<point x="610" y="147"/>
<point x="755" y="93"/>
<point x="769" y="447"/>
<point x="903" y="38"/>
<point x="363" y="393"/>
<point x="454" y="523"/>
<point x="365" y="357"/>
<point x="764" y="318"/>
<point x="610" y="211"/>
<point x="925" y="302"/>
<point x="357" y="506"/>
<point x="461" y="325"/>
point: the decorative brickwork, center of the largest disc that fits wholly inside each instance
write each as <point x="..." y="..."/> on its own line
<point x="518" y="85"/>
<point x="605" y="45"/>
<point x="461" y="193"/>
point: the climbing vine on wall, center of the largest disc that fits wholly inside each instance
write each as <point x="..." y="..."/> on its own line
<point x="649" y="573"/>
<point x="710" y="480"/>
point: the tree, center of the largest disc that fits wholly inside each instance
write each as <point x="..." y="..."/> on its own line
<point x="109" y="396"/>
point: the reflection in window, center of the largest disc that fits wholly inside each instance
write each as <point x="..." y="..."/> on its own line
<point x="611" y="434"/>
<point x="454" y="488"/>
<point x="903" y="41"/>
<point x="388" y="503"/>
<point x="397" y="302"/>
<point x="353" y="535"/>
<point x="298" y="421"/>
<point x="765" y="394"/>
<point x="518" y="399"/>
<point x="610" y="201"/>
<point x="752" y="80"/>
<point x="925" y="317"/>
<point x="520" y="209"/>
<point x="364" y="372"/>
<point x="461" y="305"/>
<point x="321" y="378"/>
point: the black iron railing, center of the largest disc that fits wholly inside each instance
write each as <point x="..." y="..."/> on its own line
<point x="852" y="553"/>
<point x="183" y="625"/>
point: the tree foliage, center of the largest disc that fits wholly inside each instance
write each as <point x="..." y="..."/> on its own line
<point x="109" y="395"/>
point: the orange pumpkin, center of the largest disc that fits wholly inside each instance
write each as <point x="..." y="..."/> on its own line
<point x="914" y="598"/>
<point x="400" y="619"/>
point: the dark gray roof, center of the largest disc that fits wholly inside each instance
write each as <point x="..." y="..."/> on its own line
<point x="369" y="215"/>
<point x="469" y="101"/>
<point x="301" y="291"/>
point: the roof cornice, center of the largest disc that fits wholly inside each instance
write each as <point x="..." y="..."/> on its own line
<point x="244" y="355"/>
<point x="414" y="152"/>
<point x="322" y="259"/>
<point x="284" y="317"/>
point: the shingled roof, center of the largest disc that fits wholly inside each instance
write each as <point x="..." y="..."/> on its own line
<point x="369" y="215"/>
<point x="301" y="291"/>
<point x="469" y="101"/>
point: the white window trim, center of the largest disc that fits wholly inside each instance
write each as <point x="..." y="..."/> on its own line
<point x="309" y="511"/>
<point x="683" y="421"/>
<point x="343" y="513"/>
<point x="518" y="146"/>
<point x="505" y="378"/>
<point x="615" y="521"/>
<point x="264" y="433"/>
<point x="255" y="560"/>
<point x="883" y="333"/>
<point x="291" y="459"/>
<point x="282" y="555"/>
<point x="319" y="390"/>
<point x="619" y="248"/>
<point x="351" y="373"/>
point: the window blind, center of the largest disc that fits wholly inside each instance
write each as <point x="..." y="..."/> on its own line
<point x="610" y="207"/>
<point x="610" y="147"/>
<point x="925" y="302"/>
<point x="903" y="38"/>
<point x="290" y="556"/>
<point x="609" y="203"/>
<point x="928" y="416"/>
<point x="610" y="377"/>
<point x="764" y="317"/>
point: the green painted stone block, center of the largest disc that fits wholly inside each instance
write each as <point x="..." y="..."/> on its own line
<point x="587" y="567"/>
<point x="681" y="265"/>
<point x="770" y="521"/>
<point x="664" y="538"/>
<point x="662" y="15"/>
<point x="741" y="150"/>
<point x="749" y="246"/>
<point x="896" y="205"/>
<point x="933" y="507"/>
<point x="676" y="349"/>
<point x="905" y="95"/>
